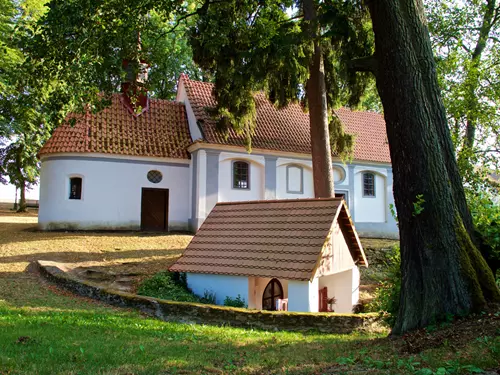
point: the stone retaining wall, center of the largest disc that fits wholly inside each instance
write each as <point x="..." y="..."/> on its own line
<point x="212" y="314"/>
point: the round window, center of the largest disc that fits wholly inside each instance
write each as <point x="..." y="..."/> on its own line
<point x="155" y="176"/>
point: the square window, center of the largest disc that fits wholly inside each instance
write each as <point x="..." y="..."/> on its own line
<point x="368" y="185"/>
<point x="241" y="175"/>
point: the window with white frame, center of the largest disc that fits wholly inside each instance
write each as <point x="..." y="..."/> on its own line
<point x="241" y="175"/>
<point x="294" y="179"/>
<point x="75" y="188"/>
<point x="368" y="185"/>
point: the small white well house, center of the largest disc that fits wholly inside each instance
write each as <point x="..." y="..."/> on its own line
<point x="296" y="255"/>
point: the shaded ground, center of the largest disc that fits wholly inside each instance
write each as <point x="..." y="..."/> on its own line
<point x="6" y="209"/>
<point x="131" y="253"/>
<point x="117" y="259"/>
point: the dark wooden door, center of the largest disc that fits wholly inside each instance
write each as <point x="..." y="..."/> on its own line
<point x="154" y="209"/>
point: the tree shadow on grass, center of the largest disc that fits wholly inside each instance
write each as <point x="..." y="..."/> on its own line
<point x="23" y="232"/>
<point x="77" y="257"/>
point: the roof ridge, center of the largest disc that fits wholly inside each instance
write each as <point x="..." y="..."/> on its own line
<point x="287" y="129"/>
<point x="280" y="201"/>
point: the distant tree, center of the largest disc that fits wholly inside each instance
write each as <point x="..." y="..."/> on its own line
<point x="82" y="44"/>
<point x="466" y="39"/>
<point x="19" y="167"/>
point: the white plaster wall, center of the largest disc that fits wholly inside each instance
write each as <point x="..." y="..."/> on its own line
<point x="111" y="194"/>
<point x="344" y="286"/>
<point x="370" y="209"/>
<point x="222" y="285"/>
<point x="342" y="258"/>
<point x="202" y="184"/>
<point x="281" y="179"/>
<point x="257" y="184"/>
<point x="335" y="255"/>
<point x="356" y="277"/>
<point x="303" y="296"/>
<point x="256" y="286"/>
<point x="193" y="126"/>
<point x="298" y="296"/>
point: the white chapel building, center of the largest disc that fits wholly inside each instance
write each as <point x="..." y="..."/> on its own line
<point x="167" y="167"/>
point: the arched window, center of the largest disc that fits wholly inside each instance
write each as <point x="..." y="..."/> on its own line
<point x="272" y="293"/>
<point x="241" y="175"/>
<point x="75" y="188"/>
<point x="368" y="185"/>
<point x="294" y="179"/>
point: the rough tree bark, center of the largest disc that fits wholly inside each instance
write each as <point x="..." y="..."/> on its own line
<point x="318" y="111"/>
<point x="442" y="271"/>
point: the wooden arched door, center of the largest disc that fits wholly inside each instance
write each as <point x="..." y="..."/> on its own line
<point x="272" y="293"/>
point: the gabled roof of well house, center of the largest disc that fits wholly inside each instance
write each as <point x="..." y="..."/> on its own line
<point x="282" y="238"/>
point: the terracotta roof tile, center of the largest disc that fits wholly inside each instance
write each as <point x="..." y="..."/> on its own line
<point x="280" y="248"/>
<point x="287" y="129"/>
<point x="161" y="131"/>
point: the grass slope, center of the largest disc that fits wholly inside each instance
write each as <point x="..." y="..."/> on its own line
<point x="46" y="331"/>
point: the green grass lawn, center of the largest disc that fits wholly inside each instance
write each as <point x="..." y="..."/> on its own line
<point x="46" y="331"/>
<point x="43" y="331"/>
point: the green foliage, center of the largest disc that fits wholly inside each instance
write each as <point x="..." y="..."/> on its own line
<point x="342" y="144"/>
<point x="80" y="45"/>
<point x="235" y="302"/>
<point x="248" y="47"/>
<point x="486" y="215"/>
<point x="167" y="285"/>
<point x="209" y="297"/>
<point x="418" y="205"/>
<point x="394" y="213"/>
<point x="465" y="41"/>
<point x="387" y="295"/>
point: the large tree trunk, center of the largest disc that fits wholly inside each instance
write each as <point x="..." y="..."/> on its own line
<point x="442" y="271"/>
<point x="22" y="197"/>
<point x="318" y="112"/>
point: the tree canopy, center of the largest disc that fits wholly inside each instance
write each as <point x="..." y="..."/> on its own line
<point x="465" y="37"/>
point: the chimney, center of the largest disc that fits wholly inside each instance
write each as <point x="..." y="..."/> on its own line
<point x="134" y="91"/>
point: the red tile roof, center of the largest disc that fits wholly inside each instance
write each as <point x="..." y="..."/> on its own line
<point x="281" y="239"/>
<point x="161" y="131"/>
<point x="287" y="129"/>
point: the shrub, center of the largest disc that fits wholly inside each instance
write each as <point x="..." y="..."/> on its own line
<point x="486" y="215"/>
<point x="235" y="302"/>
<point x="387" y="294"/>
<point x="208" y="297"/>
<point x="167" y="285"/>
